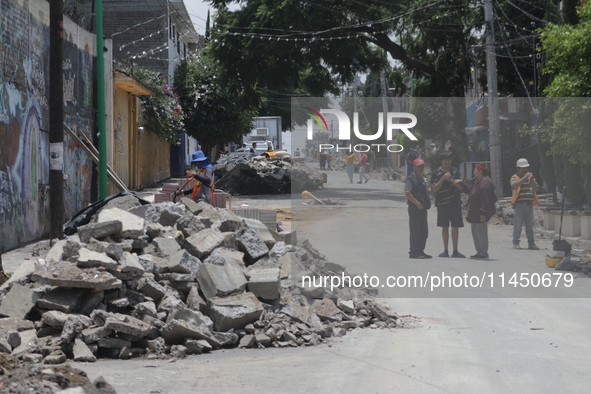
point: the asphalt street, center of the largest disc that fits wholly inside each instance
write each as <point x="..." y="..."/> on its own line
<point x="525" y="337"/>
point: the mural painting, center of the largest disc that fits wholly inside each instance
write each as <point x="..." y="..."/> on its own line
<point x="24" y="123"/>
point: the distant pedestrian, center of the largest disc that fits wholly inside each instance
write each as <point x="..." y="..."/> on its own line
<point x="350" y="160"/>
<point x="322" y="159"/>
<point x="418" y="202"/>
<point x="329" y="158"/>
<point x="447" y="186"/>
<point x="524" y="196"/>
<point x="481" y="207"/>
<point x="362" y="165"/>
<point x="297" y="153"/>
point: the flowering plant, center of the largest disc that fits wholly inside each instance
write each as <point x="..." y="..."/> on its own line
<point x="162" y="110"/>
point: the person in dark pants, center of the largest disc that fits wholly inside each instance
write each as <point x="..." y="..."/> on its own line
<point x="447" y="186"/>
<point x="415" y="189"/>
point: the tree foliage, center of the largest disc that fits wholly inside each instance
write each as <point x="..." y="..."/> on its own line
<point x="213" y="115"/>
<point x="568" y="50"/>
<point x="318" y="47"/>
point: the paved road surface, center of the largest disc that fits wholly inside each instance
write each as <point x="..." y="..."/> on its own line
<point x="476" y="341"/>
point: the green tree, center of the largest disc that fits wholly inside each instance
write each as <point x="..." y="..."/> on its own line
<point x="213" y="115"/>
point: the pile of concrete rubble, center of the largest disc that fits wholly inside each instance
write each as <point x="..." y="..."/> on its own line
<point x="171" y="279"/>
<point x="260" y="175"/>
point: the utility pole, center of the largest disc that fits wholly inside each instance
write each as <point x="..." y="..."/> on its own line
<point x="56" y="118"/>
<point x="100" y="87"/>
<point x="493" y="100"/>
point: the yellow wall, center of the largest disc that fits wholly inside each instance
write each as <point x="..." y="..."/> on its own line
<point x="153" y="159"/>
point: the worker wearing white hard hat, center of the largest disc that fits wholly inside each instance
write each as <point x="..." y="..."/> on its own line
<point x="524" y="196"/>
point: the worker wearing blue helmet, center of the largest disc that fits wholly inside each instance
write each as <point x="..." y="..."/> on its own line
<point x="203" y="174"/>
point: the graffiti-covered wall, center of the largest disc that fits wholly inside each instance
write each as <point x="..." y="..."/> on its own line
<point x="24" y="119"/>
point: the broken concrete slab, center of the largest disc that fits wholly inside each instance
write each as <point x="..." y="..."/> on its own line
<point x="346" y="306"/>
<point x="189" y="225"/>
<point x="235" y="311"/>
<point x="326" y="310"/>
<point x="262" y="230"/>
<point x="203" y="243"/>
<point x="28" y="343"/>
<point x="176" y="331"/>
<point x="220" y="280"/>
<point x="223" y="220"/>
<point x="166" y="246"/>
<point x="93" y="334"/>
<point x="133" y="226"/>
<point x="54" y="319"/>
<point x="129" y="266"/>
<point x="63" y="300"/>
<point x="168" y="218"/>
<point x="264" y="283"/>
<point x="195" y="207"/>
<point x="56" y="252"/>
<point x="252" y="245"/>
<point x="72" y="276"/>
<point x="129" y="325"/>
<point x="183" y="262"/>
<point x="223" y="256"/>
<point x="99" y="230"/>
<point x="89" y="259"/>
<point x="26" y="268"/>
<point x="73" y="326"/>
<point x="82" y="352"/>
<point x="247" y="341"/>
<point x="19" y="301"/>
<point x="151" y="288"/>
<point x="191" y="316"/>
<point x="113" y="343"/>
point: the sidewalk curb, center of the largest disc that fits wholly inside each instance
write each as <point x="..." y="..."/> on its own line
<point x="576" y="242"/>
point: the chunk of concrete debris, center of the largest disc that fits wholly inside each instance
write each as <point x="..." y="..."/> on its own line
<point x="94" y="334"/>
<point x="72" y="276"/>
<point x="262" y="230"/>
<point x="223" y="220"/>
<point x="247" y="341"/>
<point x="90" y="259"/>
<point x="166" y="246"/>
<point x="380" y="312"/>
<point x="56" y="253"/>
<point x="168" y="218"/>
<point x="99" y="230"/>
<point x="132" y="225"/>
<point x="220" y="280"/>
<point x="19" y="301"/>
<point x="265" y="283"/>
<point x="55" y="319"/>
<point x="263" y="340"/>
<point x="129" y="266"/>
<point x="73" y="326"/>
<point x="203" y="243"/>
<point x="176" y="331"/>
<point x="189" y="225"/>
<point x="28" y="343"/>
<point x="346" y="306"/>
<point x="326" y="310"/>
<point x="26" y="268"/>
<point x="63" y="300"/>
<point x="82" y="352"/>
<point x="183" y="262"/>
<point x="235" y="311"/>
<point x="151" y="288"/>
<point x="191" y="316"/>
<point x="129" y="325"/>
<point x="252" y="245"/>
<point x="195" y="207"/>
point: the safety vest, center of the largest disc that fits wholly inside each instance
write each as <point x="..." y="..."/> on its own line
<point x="516" y="191"/>
<point x="197" y="186"/>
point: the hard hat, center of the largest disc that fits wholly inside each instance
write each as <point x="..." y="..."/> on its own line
<point x="522" y="163"/>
